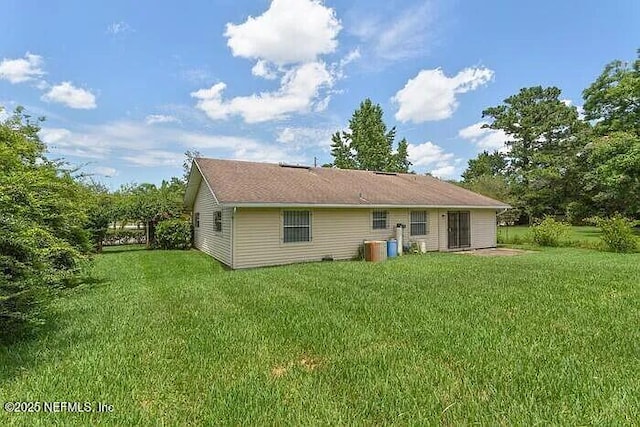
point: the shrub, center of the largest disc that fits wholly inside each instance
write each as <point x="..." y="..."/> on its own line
<point x="174" y="234"/>
<point x="550" y="232"/>
<point x="577" y="213"/>
<point x="617" y="233"/>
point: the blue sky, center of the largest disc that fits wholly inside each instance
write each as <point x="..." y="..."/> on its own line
<point x="127" y="86"/>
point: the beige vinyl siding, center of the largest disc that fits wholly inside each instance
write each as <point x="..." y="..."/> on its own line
<point x="205" y="238"/>
<point x="337" y="233"/>
<point x="483" y="228"/>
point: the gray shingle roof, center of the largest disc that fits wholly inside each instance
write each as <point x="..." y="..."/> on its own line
<point x="243" y="183"/>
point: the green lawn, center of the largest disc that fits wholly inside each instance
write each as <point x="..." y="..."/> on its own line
<point x="172" y="338"/>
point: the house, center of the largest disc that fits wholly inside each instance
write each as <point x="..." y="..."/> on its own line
<point x="248" y="214"/>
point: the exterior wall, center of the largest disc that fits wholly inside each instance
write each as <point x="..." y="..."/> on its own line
<point x="205" y="238"/>
<point x="483" y="229"/>
<point x="335" y="232"/>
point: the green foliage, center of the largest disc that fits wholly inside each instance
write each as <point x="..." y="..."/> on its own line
<point x="614" y="173"/>
<point x="174" y="234"/>
<point x="368" y="145"/>
<point x="613" y="100"/>
<point x="485" y="164"/>
<point x="577" y="212"/>
<point x="550" y="232"/>
<point x="617" y="233"/>
<point x="43" y="240"/>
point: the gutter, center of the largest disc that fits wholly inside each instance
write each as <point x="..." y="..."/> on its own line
<point x="358" y="205"/>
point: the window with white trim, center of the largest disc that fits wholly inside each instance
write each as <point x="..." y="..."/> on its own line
<point x="418" y="225"/>
<point x="217" y="221"/>
<point x="296" y="226"/>
<point x="196" y="220"/>
<point x="379" y="220"/>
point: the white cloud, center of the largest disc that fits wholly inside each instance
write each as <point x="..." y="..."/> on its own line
<point x="121" y="27"/>
<point x="300" y="137"/>
<point x="141" y="145"/>
<point x="66" y="93"/>
<point x="431" y="95"/>
<point x="264" y="70"/>
<point x="579" y="108"/>
<point x="289" y="32"/>
<point x="432" y="157"/>
<point x="105" y="171"/>
<point x="298" y="93"/>
<point x="485" y="138"/>
<point x="403" y="36"/>
<point x="160" y="118"/>
<point x="22" y="69"/>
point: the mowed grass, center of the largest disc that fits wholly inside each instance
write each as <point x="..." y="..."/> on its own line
<point x="172" y="338"/>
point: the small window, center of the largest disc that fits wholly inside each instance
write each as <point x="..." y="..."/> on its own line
<point x="196" y="220"/>
<point x="418" y="223"/>
<point x="217" y="221"/>
<point x="296" y="226"/>
<point x="379" y="220"/>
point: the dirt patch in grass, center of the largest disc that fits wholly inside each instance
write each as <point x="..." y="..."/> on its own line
<point x="305" y="362"/>
<point x="495" y="252"/>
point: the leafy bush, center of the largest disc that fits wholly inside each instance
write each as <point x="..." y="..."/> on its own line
<point x="174" y="234"/>
<point x="577" y="213"/>
<point x="617" y="233"/>
<point x="550" y="232"/>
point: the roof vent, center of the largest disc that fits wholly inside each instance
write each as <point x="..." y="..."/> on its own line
<point x="284" y="165"/>
<point x="386" y="173"/>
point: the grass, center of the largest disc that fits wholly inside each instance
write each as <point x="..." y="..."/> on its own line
<point x="172" y="338"/>
<point x="521" y="232"/>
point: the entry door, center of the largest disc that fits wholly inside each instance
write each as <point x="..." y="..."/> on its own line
<point x="459" y="234"/>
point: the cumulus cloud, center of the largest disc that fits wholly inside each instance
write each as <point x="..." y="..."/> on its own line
<point x="21" y="69"/>
<point x="105" y="171"/>
<point x="160" y="118"/>
<point x="298" y="92"/>
<point x="431" y="95"/>
<point x="73" y="97"/>
<point x="433" y="158"/>
<point x="299" y="137"/>
<point x="485" y="138"/>
<point x="290" y="31"/>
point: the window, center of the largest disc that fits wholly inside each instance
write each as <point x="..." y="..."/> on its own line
<point x="217" y="221"/>
<point x="379" y="220"/>
<point x="418" y="223"/>
<point x="196" y="220"/>
<point x="296" y="226"/>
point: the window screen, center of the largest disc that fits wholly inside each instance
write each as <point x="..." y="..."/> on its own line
<point x="296" y="226"/>
<point x="217" y="221"/>
<point x="418" y="223"/>
<point x="379" y="220"/>
<point x="196" y="220"/>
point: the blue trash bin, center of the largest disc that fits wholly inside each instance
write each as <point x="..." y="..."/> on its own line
<point x="392" y="248"/>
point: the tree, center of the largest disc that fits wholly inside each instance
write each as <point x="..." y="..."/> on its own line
<point x="42" y="225"/>
<point x="190" y="156"/>
<point x="544" y="143"/>
<point x="613" y="100"/>
<point x="614" y="174"/>
<point x="368" y="145"/>
<point x="485" y="164"/>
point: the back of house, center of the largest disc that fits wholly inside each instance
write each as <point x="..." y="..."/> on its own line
<point x="248" y="214"/>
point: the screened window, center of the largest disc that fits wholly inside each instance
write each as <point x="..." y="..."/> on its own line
<point x="217" y="221"/>
<point x="379" y="220"/>
<point x="418" y="223"/>
<point x="296" y="226"/>
<point x="196" y="220"/>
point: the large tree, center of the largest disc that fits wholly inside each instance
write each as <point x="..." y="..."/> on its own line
<point x="543" y="146"/>
<point x="368" y="144"/>
<point x="485" y="164"/>
<point x="613" y="100"/>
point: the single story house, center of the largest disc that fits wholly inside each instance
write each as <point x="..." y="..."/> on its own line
<point x="248" y="214"/>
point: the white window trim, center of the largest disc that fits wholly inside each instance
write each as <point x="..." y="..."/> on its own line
<point x="215" y="212"/>
<point x="302" y="243"/>
<point x="386" y="219"/>
<point x="426" y="223"/>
